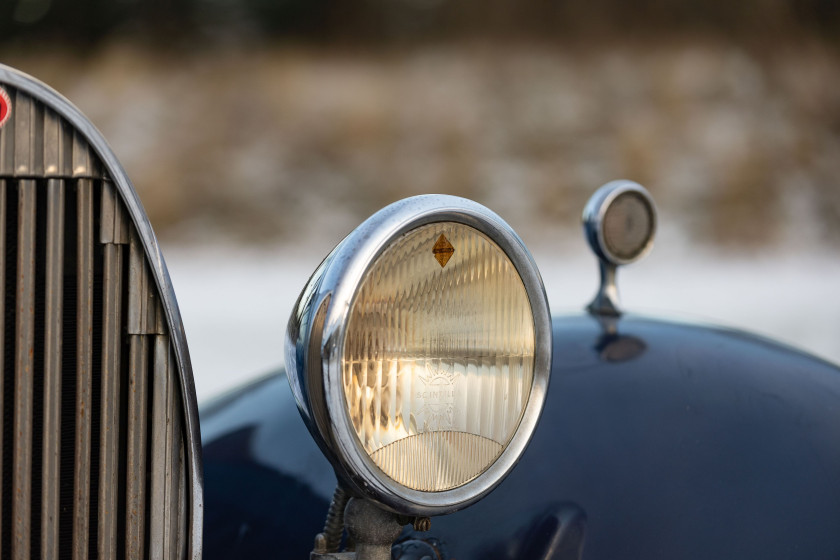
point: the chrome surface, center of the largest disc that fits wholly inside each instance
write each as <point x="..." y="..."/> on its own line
<point x="114" y="225"/>
<point x="84" y="362"/>
<point x="173" y="471"/>
<point x="166" y="457"/>
<point x="607" y="301"/>
<point x="109" y="427"/>
<point x="50" y="485"/>
<point x="64" y="181"/>
<point x="313" y="353"/>
<point x="141" y="298"/>
<point x="24" y="370"/>
<point x="136" y="442"/>
<point x="2" y="316"/>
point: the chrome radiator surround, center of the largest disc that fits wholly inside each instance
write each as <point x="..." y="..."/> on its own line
<point x="50" y="152"/>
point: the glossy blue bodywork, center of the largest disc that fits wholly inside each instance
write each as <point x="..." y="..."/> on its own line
<point x="660" y="441"/>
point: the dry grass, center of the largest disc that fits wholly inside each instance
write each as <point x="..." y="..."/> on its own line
<point x="282" y="143"/>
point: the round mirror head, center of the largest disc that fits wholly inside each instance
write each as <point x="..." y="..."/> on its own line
<point x="620" y="222"/>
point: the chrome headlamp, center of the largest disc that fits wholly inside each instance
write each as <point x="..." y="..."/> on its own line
<point x="419" y="354"/>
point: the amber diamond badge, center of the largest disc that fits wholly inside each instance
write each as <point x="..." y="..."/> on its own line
<point x="443" y="250"/>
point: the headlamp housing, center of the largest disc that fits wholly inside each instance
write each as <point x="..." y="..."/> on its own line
<point x="419" y="354"/>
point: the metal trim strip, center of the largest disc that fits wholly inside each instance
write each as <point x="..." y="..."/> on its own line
<point x="24" y="371"/>
<point x="173" y="446"/>
<point x="84" y="367"/>
<point x="160" y="426"/>
<point x="109" y="456"/>
<point x="53" y="325"/>
<point x="2" y="309"/>
<point x="136" y="442"/>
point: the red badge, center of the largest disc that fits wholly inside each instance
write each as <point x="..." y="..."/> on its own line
<point x="5" y="107"/>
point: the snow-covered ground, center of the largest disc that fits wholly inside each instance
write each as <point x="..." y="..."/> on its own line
<point x="236" y="301"/>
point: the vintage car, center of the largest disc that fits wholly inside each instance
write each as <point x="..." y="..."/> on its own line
<point x="430" y="405"/>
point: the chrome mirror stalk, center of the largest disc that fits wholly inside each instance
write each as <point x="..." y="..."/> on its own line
<point x="619" y="222"/>
<point x="606" y="301"/>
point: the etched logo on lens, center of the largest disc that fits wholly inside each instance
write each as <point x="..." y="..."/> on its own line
<point x="439" y="376"/>
<point x="436" y="398"/>
<point x="5" y="107"/>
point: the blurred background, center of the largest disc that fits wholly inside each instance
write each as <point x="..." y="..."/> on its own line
<point x="260" y="132"/>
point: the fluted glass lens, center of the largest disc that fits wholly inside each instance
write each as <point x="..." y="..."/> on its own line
<point x="438" y="356"/>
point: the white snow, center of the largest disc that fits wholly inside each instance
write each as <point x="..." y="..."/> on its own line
<point x="235" y="302"/>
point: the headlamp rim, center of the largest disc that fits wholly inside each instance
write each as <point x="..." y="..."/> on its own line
<point x="340" y="279"/>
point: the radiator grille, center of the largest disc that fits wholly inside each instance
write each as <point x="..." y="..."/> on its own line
<point x="93" y="462"/>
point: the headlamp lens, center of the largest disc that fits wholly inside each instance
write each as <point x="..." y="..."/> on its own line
<point x="438" y="357"/>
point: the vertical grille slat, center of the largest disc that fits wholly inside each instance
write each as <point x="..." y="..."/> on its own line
<point x="55" y="146"/>
<point x="137" y="433"/>
<point x="82" y="166"/>
<point x="173" y="458"/>
<point x="54" y="143"/>
<point x="84" y="367"/>
<point x="95" y="450"/>
<point x="50" y="485"/>
<point x="114" y="225"/>
<point x="182" y="501"/>
<point x="108" y="214"/>
<point x="160" y="400"/>
<point x="138" y="288"/>
<point x="24" y="363"/>
<point x="110" y="379"/>
<point x="29" y="137"/>
<point x="2" y="330"/>
<point x="151" y="310"/>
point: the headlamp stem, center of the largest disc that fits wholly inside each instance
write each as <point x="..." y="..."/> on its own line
<point x="372" y="531"/>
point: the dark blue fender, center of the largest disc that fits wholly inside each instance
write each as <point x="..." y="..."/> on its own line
<point x="662" y="441"/>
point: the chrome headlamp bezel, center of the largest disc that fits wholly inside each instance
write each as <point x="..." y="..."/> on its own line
<point x="315" y="341"/>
